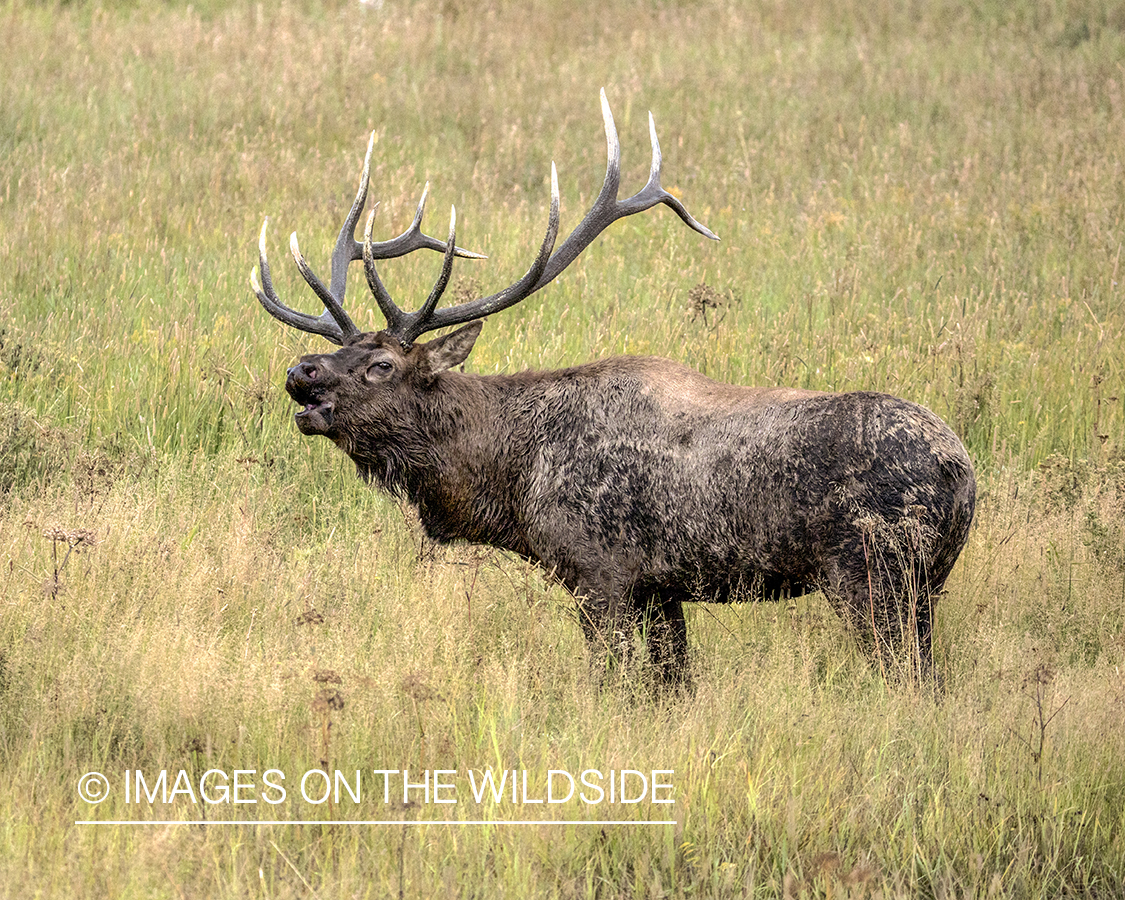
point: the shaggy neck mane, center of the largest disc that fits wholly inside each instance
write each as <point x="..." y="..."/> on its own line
<point x="459" y="477"/>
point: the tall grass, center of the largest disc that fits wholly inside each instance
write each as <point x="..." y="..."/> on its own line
<point x="922" y="199"/>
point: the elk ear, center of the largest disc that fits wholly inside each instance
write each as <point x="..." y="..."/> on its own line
<point x="451" y="349"/>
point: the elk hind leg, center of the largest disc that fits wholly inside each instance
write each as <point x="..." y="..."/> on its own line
<point x="891" y="613"/>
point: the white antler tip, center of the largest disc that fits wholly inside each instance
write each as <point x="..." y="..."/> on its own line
<point x="613" y="145"/>
<point x="254" y="283"/>
<point x="416" y="225"/>
<point x="654" y="172"/>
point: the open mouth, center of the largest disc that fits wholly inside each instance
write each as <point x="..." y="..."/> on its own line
<point x="312" y="406"/>
<point x="314" y="412"/>
<point x="314" y="416"/>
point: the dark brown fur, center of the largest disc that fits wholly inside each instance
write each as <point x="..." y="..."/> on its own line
<point x="640" y="484"/>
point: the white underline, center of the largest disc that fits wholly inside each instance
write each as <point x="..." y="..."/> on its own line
<point x="369" y="822"/>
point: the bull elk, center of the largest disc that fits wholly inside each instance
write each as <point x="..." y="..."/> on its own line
<point x="635" y="481"/>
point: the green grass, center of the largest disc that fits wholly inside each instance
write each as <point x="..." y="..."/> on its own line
<point x="918" y="198"/>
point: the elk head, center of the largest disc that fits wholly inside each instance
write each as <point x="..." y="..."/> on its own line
<point x="366" y="386"/>
<point x="366" y="374"/>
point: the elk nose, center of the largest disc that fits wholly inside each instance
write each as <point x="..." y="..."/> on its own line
<point x="303" y="371"/>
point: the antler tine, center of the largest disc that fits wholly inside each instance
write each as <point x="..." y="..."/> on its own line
<point x="431" y="303"/>
<point x="326" y="325"/>
<point x="531" y="281"/>
<point x="349" y="250"/>
<point x="400" y="324"/>
<point x="333" y="297"/>
<point x="410" y="240"/>
<point x="387" y="306"/>
<point x="344" y="254"/>
<point x="652" y="193"/>
<point x="605" y="211"/>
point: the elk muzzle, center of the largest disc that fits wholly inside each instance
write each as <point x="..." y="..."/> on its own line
<point x="304" y="385"/>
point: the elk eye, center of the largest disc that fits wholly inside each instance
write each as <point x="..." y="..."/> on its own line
<point x="382" y="367"/>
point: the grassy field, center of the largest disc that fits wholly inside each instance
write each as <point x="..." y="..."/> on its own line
<point x="925" y="199"/>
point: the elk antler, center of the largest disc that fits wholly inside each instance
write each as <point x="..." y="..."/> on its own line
<point x="407" y="327"/>
<point x="334" y="323"/>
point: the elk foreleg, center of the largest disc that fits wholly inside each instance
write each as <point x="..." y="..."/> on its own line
<point x="665" y="633"/>
<point x="609" y="627"/>
<point x="612" y="627"/>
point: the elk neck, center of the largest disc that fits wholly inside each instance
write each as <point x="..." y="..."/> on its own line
<point x="456" y="456"/>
